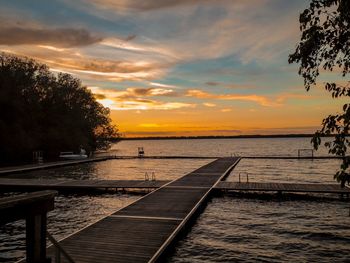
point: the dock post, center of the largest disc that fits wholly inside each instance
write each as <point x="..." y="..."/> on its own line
<point x="36" y="238"/>
<point x="33" y="207"/>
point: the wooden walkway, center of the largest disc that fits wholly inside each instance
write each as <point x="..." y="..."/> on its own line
<point x="142" y="231"/>
<point x="126" y="157"/>
<point x="86" y="185"/>
<point x="34" y="167"/>
<point x="283" y="187"/>
<point x="75" y="185"/>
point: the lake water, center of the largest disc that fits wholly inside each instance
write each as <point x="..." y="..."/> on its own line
<point x="218" y="147"/>
<point x="231" y="228"/>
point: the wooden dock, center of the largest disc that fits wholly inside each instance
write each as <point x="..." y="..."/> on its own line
<point x="48" y="165"/>
<point x="142" y="231"/>
<point x="18" y="185"/>
<point x="283" y="187"/>
<point x="126" y="157"/>
<point x="34" y="167"/>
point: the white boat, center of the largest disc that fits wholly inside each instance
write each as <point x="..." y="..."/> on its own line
<point x="72" y="156"/>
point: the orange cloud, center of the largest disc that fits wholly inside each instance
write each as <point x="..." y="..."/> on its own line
<point x="72" y="60"/>
<point x="141" y="104"/>
<point x="262" y="100"/>
<point x="131" y="93"/>
<point x="132" y="99"/>
<point x="207" y="104"/>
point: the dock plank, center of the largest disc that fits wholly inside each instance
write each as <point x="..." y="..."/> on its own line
<point x="48" y="165"/>
<point x="166" y="202"/>
<point x="75" y="185"/>
<point x="283" y="187"/>
<point x="143" y="230"/>
<point x="120" y="239"/>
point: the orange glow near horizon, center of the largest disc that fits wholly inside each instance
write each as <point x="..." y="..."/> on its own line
<point x="213" y="121"/>
<point x="164" y="71"/>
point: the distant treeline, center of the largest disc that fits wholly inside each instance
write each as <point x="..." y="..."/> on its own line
<point x="42" y="111"/>
<point x="221" y="137"/>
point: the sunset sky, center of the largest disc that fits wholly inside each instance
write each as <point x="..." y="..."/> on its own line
<point x="176" y="67"/>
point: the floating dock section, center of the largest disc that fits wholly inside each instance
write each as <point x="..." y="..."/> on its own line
<point x="35" y="167"/>
<point x="142" y="231"/>
<point x="76" y="185"/>
<point x="283" y="187"/>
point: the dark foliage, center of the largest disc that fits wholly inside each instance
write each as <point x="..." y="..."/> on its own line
<point x="325" y="45"/>
<point x="47" y="112"/>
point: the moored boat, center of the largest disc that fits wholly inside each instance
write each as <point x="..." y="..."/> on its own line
<point x="73" y="156"/>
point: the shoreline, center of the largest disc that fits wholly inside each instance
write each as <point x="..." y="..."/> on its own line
<point x="254" y="136"/>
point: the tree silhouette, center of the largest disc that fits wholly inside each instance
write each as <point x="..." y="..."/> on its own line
<point x="325" y="46"/>
<point x="43" y="111"/>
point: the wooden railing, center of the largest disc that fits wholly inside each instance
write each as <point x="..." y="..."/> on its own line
<point x="59" y="250"/>
<point x="33" y="207"/>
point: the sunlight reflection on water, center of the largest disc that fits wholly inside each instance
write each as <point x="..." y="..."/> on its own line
<point x="230" y="229"/>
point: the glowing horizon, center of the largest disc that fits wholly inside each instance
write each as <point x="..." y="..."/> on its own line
<point x="176" y="68"/>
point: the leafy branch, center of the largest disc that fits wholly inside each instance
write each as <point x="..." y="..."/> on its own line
<point x="325" y="45"/>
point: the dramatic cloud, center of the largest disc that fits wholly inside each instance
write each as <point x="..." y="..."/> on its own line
<point x="130" y="92"/>
<point x="74" y="62"/>
<point x="262" y="100"/>
<point x="134" y="99"/>
<point x="142" y="104"/>
<point x="161" y="85"/>
<point x="58" y="37"/>
<point x="145" y="47"/>
<point x="228" y="57"/>
<point x="149" y="92"/>
<point x="146" y="4"/>
<point x="110" y="70"/>
<point x="208" y="104"/>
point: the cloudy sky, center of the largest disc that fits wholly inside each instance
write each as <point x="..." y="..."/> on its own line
<point x="176" y="67"/>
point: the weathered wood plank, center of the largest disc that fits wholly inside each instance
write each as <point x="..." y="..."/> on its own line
<point x="142" y="231"/>
<point x="73" y="185"/>
<point x="285" y="187"/>
<point x="34" y="167"/>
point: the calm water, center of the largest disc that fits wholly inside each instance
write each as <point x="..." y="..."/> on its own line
<point x="250" y="230"/>
<point x="218" y="147"/>
<point x="231" y="228"/>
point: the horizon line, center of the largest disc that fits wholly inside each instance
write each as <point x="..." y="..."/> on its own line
<point x="222" y="136"/>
